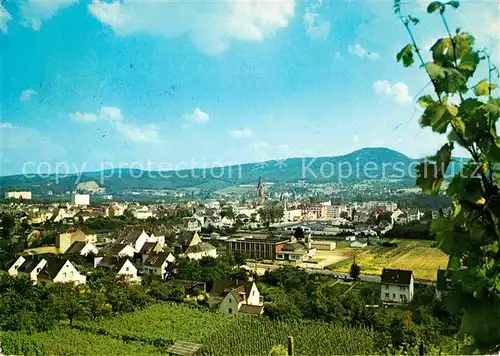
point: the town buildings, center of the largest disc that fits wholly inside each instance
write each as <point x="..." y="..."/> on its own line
<point x="18" y="195"/>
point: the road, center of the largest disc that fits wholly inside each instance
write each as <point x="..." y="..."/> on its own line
<point x="261" y="268"/>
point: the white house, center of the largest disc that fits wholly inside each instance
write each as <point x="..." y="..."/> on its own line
<point x="27" y="265"/>
<point x="143" y="213"/>
<point x="122" y="250"/>
<point x="122" y="267"/>
<point x="156" y="263"/>
<point x="82" y="248"/>
<point x="80" y="199"/>
<point x="191" y="245"/>
<point x="134" y="238"/>
<point x="193" y="224"/>
<point x="358" y="244"/>
<point x="296" y="251"/>
<point x="60" y="271"/>
<point x="396" y="286"/>
<point x="236" y="297"/>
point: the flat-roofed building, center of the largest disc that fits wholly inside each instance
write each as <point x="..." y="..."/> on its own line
<point x="264" y="248"/>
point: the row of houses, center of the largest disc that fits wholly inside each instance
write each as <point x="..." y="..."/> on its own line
<point x="132" y="250"/>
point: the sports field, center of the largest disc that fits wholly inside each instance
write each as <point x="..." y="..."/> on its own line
<point x="415" y="255"/>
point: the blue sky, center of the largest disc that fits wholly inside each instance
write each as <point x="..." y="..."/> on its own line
<point x="100" y="84"/>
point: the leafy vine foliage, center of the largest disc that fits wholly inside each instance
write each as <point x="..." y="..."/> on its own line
<point x="467" y="112"/>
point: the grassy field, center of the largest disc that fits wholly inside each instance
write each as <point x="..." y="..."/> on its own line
<point x="415" y="255"/>
<point x="153" y="329"/>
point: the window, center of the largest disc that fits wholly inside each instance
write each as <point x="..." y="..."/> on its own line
<point x="230" y="300"/>
<point x="403" y="297"/>
<point x="387" y="295"/>
<point x="253" y="293"/>
<point x="65" y="275"/>
<point x="393" y="295"/>
<point x="230" y="311"/>
<point x="71" y="274"/>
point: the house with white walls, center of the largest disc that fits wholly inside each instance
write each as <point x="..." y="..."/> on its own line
<point x="396" y="286"/>
<point x="236" y="297"/>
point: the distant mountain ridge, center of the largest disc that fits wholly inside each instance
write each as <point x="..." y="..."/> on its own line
<point x="366" y="163"/>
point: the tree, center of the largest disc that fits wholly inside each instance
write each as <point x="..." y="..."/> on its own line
<point x="355" y="271"/>
<point x="299" y="233"/>
<point x="271" y="213"/>
<point x="467" y="112"/>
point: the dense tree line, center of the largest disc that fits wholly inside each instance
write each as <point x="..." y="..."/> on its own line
<point x="297" y="294"/>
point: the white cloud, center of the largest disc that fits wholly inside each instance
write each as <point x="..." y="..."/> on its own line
<point x="111" y="113"/>
<point x="6" y="125"/>
<point x="83" y="117"/>
<point x="382" y="87"/>
<point x="358" y="50"/>
<point x="315" y="27"/>
<point x="5" y="17"/>
<point x="34" y="12"/>
<point x="210" y="26"/>
<point x="239" y="133"/>
<point x="147" y="133"/>
<point x="197" y="116"/>
<point x="399" y="91"/>
<point x="27" y="94"/>
<point x="284" y="147"/>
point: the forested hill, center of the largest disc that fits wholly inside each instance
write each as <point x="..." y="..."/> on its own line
<point x="366" y="163"/>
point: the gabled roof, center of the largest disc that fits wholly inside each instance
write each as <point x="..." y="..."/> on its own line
<point x="222" y="287"/>
<point x="396" y="276"/>
<point x="252" y="309"/>
<point x="129" y="237"/>
<point x="112" y="262"/>
<point x="185" y="238"/>
<point x="238" y="295"/>
<point x="157" y="259"/>
<point x="201" y="247"/>
<point x="293" y="246"/>
<point x="52" y="268"/>
<point x="76" y="247"/>
<point x="27" y="265"/>
<point x="148" y="247"/>
<point x="117" y="248"/>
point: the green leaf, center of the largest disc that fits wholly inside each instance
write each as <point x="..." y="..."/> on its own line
<point x="443" y="157"/>
<point x="406" y="55"/>
<point x="442" y="51"/>
<point x="425" y="101"/>
<point x="437" y="117"/>
<point x="452" y="109"/>
<point x="428" y="178"/>
<point x="463" y="187"/>
<point x="483" y="88"/>
<point x="455" y="4"/>
<point x="433" y="6"/>
<point x="435" y="71"/>
<point x="430" y="174"/>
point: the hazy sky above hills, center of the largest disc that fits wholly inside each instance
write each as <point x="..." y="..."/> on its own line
<point x="214" y="82"/>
